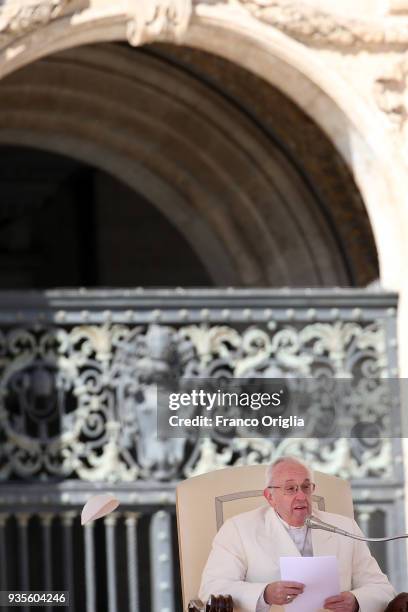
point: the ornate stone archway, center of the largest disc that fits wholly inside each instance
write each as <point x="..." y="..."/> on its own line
<point x="313" y="56"/>
<point x="348" y="73"/>
<point x="255" y="212"/>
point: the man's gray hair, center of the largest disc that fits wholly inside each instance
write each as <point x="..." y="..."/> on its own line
<point x="284" y="459"/>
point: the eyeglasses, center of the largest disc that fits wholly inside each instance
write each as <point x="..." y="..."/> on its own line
<point x="307" y="488"/>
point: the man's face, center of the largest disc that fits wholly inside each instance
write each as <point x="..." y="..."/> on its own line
<point x="292" y="508"/>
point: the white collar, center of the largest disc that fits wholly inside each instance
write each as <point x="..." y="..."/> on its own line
<point x="285" y="524"/>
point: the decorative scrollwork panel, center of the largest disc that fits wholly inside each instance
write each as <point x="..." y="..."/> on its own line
<point x="80" y="401"/>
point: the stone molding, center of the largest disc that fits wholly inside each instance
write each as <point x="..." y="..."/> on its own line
<point x="390" y="93"/>
<point x="322" y="29"/>
<point x="146" y="20"/>
<point x="21" y="17"/>
<point x="152" y="20"/>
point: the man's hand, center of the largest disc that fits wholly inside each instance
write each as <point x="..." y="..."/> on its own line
<point x="344" y="602"/>
<point x="282" y="593"/>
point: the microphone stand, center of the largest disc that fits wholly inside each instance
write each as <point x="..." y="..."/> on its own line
<point x="312" y="522"/>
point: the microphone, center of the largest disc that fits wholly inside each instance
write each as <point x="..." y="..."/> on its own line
<point x="312" y="522"/>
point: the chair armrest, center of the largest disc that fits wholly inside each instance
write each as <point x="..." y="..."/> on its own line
<point x="398" y="604"/>
<point x="215" y="603"/>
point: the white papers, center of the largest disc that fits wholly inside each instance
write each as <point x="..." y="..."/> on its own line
<point x="320" y="575"/>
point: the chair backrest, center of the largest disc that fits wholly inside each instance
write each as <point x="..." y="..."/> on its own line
<point x="205" y="502"/>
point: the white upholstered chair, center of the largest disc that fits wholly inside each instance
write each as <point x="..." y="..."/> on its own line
<point x="205" y="502"/>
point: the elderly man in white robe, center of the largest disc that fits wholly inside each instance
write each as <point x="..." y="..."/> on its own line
<point x="244" y="560"/>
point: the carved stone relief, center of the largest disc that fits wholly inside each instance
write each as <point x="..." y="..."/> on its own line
<point x="18" y="17"/>
<point x="322" y="29"/>
<point x="158" y="20"/>
<point x="150" y="20"/>
<point x="391" y="95"/>
<point x="147" y="20"/>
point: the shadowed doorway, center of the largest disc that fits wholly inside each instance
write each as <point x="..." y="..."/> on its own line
<point x="67" y="224"/>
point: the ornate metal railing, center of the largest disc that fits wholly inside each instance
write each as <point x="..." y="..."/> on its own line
<point x="78" y="413"/>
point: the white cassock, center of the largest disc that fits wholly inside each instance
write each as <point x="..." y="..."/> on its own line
<point x="245" y="558"/>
